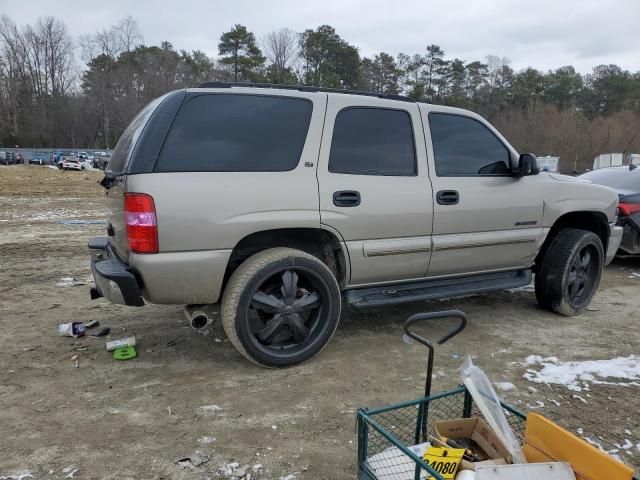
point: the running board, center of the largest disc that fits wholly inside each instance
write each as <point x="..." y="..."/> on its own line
<point x="437" y="289"/>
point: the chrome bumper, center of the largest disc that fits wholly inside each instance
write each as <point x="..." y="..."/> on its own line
<point x="615" y="238"/>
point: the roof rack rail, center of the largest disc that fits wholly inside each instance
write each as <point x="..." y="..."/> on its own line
<point x="304" y="88"/>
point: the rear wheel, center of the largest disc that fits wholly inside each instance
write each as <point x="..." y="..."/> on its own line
<point x="570" y="272"/>
<point x="281" y="307"/>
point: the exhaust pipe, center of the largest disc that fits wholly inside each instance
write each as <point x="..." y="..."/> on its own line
<point x="199" y="316"/>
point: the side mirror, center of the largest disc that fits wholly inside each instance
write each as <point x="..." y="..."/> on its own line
<point x="527" y="165"/>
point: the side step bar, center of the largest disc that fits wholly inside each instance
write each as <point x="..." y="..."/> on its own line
<point x="437" y="289"/>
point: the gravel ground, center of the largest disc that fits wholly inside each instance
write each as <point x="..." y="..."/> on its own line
<point x="190" y="395"/>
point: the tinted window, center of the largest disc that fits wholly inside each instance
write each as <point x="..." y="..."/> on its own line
<point x="372" y="141"/>
<point x="127" y="141"/>
<point x="464" y="146"/>
<point x="230" y="132"/>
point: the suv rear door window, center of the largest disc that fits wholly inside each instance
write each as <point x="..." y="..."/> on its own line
<point x="373" y="141"/>
<point x="465" y="147"/>
<point x="236" y="133"/>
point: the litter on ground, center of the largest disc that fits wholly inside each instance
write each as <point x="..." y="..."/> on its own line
<point x="65" y="282"/>
<point x="210" y="409"/>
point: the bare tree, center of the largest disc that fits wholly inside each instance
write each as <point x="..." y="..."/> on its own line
<point x="281" y="49"/>
<point x="496" y="66"/>
<point x="127" y="34"/>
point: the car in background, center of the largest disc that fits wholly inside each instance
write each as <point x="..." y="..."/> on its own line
<point x="19" y="158"/>
<point x="60" y="156"/>
<point x="10" y="158"/>
<point x="4" y="158"/>
<point x="101" y="159"/>
<point x="38" y="159"/>
<point x="72" y="163"/>
<point x="625" y="181"/>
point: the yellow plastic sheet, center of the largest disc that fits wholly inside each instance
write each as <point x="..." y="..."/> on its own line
<point x="544" y="441"/>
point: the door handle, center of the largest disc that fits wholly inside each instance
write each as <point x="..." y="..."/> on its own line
<point x="346" y="198"/>
<point x="447" y="197"/>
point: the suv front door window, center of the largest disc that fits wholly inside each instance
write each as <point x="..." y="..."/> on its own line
<point x="463" y="146"/>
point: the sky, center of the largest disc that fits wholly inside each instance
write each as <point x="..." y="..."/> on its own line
<point x="544" y="34"/>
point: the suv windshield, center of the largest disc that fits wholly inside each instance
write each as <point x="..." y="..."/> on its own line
<point x="123" y="148"/>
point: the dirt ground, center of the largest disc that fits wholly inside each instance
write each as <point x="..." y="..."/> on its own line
<point x="135" y="419"/>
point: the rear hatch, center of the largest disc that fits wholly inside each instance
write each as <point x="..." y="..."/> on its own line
<point x="117" y="172"/>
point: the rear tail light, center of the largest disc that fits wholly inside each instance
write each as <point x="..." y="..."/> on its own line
<point x="629" y="208"/>
<point x="140" y="220"/>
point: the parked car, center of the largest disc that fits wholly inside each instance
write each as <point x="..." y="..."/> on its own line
<point x="72" y="163"/>
<point x="273" y="204"/>
<point x="19" y="158"/>
<point x="38" y="159"/>
<point x="625" y="181"/>
<point x="101" y="159"/>
<point x="8" y="158"/>
<point x="4" y="158"/>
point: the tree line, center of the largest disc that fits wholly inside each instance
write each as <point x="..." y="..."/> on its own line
<point x="60" y="91"/>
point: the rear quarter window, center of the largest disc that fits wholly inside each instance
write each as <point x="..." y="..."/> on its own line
<point x="236" y="133"/>
<point x="126" y="143"/>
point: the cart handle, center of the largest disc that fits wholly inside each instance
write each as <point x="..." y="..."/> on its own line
<point x="418" y="317"/>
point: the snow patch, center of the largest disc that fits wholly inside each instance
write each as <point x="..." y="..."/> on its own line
<point x="204" y="440"/>
<point x="570" y="374"/>
<point x="505" y="386"/>
<point x="17" y="475"/>
<point x="70" y="471"/>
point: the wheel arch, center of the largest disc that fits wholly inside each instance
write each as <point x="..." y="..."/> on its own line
<point x="592" y="221"/>
<point x="322" y="243"/>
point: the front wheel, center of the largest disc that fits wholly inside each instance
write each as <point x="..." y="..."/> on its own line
<point x="281" y="307"/>
<point x="570" y="272"/>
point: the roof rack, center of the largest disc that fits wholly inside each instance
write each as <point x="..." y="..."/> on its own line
<point x="304" y="88"/>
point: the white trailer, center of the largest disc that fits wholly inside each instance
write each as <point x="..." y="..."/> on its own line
<point x="549" y="164"/>
<point x="608" y="160"/>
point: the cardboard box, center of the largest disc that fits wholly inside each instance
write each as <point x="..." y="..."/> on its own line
<point x="493" y="451"/>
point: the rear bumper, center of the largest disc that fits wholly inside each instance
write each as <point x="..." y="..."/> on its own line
<point x="171" y="278"/>
<point x="113" y="279"/>
<point x="615" y="238"/>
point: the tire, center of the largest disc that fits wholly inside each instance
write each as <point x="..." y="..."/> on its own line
<point x="281" y="307"/>
<point x="570" y="272"/>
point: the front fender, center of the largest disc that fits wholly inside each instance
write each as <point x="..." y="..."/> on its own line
<point x="568" y="197"/>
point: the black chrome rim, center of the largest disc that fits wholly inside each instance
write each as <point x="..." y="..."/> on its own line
<point x="287" y="312"/>
<point x="582" y="275"/>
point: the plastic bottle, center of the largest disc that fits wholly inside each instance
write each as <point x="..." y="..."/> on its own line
<point x="124" y="342"/>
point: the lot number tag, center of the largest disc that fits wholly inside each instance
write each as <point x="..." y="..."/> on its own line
<point x="445" y="461"/>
